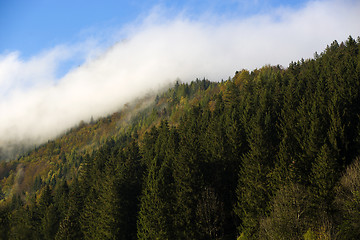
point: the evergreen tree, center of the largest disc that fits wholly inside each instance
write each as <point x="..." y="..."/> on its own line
<point x="21" y="225"/>
<point x="253" y="189"/>
<point x="157" y="200"/>
<point x="187" y="175"/>
<point x="4" y="221"/>
<point x="50" y="222"/>
<point x="69" y="227"/>
<point x="61" y="199"/>
<point x="155" y="216"/>
<point x="323" y="179"/>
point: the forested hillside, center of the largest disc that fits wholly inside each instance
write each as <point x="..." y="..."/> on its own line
<point x="268" y="154"/>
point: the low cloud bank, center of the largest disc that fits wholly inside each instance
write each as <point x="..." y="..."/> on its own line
<point x="36" y="106"/>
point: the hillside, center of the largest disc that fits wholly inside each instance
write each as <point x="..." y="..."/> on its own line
<point x="60" y="158"/>
<point x="268" y="154"/>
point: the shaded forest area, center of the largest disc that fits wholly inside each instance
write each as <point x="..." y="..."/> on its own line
<point x="269" y="154"/>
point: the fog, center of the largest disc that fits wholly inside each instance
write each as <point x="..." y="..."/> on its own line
<point x="152" y="52"/>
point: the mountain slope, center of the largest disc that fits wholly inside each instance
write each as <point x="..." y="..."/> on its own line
<point x="268" y="154"/>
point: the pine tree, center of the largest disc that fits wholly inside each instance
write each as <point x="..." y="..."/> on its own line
<point x="157" y="200"/>
<point x="4" y="221"/>
<point x="130" y="175"/>
<point x="155" y="211"/>
<point x="187" y="175"/>
<point x="69" y="227"/>
<point x="323" y="178"/>
<point x="108" y="211"/>
<point x="89" y="223"/>
<point x="21" y="225"/>
<point x="50" y="222"/>
<point x="61" y="198"/>
<point x="253" y="189"/>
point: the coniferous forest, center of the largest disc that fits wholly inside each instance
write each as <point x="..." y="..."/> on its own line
<point x="272" y="153"/>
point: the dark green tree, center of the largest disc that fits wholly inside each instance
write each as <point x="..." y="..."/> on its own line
<point x="157" y="200"/>
<point x="188" y="177"/>
<point x="69" y="227"/>
<point x="4" y="221"/>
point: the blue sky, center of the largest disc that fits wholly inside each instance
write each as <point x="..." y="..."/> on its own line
<point x="64" y="61"/>
<point x="31" y="26"/>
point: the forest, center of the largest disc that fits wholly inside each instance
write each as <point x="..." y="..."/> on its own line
<point x="272" y="153"/>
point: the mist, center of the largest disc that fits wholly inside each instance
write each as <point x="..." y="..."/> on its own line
<point x="36" y="105"/>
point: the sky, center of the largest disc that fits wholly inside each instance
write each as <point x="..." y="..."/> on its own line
<point x="64" y="61"/>
<point x="33" y="26"/>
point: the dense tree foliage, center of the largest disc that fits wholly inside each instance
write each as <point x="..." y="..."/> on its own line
<point x="268" y="154"/>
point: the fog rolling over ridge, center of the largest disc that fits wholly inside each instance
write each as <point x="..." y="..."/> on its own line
<point x="36" y="106"/>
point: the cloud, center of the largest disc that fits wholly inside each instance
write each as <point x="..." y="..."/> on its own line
<point x="35" y="105"/>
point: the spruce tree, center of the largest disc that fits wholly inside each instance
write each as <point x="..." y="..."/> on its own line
<point x="156" y="207"/>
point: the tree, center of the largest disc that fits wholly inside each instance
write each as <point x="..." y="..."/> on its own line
<point x="253" y="191"/>
<point x="4" y="221"/>
<point x="47" y="213"/>
<point x="157" y="201"/>
<point x="188" y="177"/>
<point x="50" y="222"/>
<point x="21" y="224"/>
<point x="155" y="216"/>
<point x="323" y="178"/>
<point x="61" y="199"/>
<point x="347" y="201"/>
<point x="289" y="216"/>
<point x="69" y="227"/>
<point x="210" y="215"/>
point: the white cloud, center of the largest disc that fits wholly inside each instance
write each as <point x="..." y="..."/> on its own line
<point x="35" y="105"/>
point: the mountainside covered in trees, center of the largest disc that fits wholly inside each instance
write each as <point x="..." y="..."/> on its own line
<point x="269" y="154"/>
